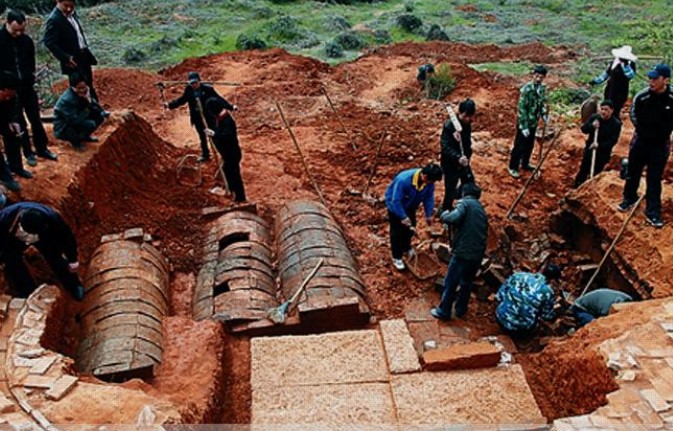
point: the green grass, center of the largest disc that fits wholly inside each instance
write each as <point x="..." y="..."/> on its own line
<point x="509" y="68"/>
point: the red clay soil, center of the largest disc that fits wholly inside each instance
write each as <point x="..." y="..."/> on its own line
<point x="130" y="181"/>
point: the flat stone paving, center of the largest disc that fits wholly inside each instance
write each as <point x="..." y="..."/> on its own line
<point x="344" y="379"/>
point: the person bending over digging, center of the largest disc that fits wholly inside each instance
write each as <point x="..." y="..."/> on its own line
<point x="595" y="304"/>
<point x="525" y="300"/>
<point x="195" y="96"/>
<point x="31" y="223"/>
<point x="225" y="139"/>
<point x="77" y="115"/>
<point x="403" y="196"/>
<point x="468" y="249"/>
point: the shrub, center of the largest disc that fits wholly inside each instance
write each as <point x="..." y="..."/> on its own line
<point x="441" y="83"/>
<point x="350" y="40"/>
<point x="285" y="29"/>
<point x="134" y="56"/>
<point x="436" y="33"/>
<point x="337" y="23"/>
<point x="245" y="42"/>
<point x="163" y="44"/>
<point x="333" y="50"/>
<point x="409" y="22"/>
<point x="382" y="36"/>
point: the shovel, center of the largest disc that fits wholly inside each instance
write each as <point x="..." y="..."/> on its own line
<point x="593" y="154"/>
<point x="278" y="314"/>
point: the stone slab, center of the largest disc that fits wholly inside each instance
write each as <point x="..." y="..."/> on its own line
<point x="341" y="405"/>
<point x="340" y="357"/>
<point x="62" y="386"/>
<point x="486" y="396"/>
<point x="42" y="365"/>
<point x="399" y="347"/>
<point x="42" y="382"/>
<point x="655" y="400"/>
<point x="462" y="356"/>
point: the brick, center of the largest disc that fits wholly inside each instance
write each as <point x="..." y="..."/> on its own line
<point x="41" y="382"/>
<point x="134" y="234"/>
<point x="16" y="303"/>
<point x="42" y="365"/>
<point x="3" y="344"/>
<point x="4" y="304"/>
<point x="32" y="353"/>
<point x="628" y="375"/>
<point x="655" y="400"/>
<point x="399" y="346"/>
<point x="61" y="387"/>
<point x="110" y="238"/>
<point x="6" y="405"/>
<point x="40" y="418"/>
<point x="462" y="356"/>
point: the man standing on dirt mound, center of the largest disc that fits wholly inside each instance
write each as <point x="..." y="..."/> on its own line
<point x="77" y="115"/>
<point x="195" y="96"/>
<point x="608" y="127"/>
<point x="532" y="106"/>
<point x="618" y="74"/>
<point x="468" y="249"/>
<point x="64" y="37"/>
<point x="652" y="117"/>
<point x="403" y="196"/>
<point x="19" y="59"/>
<point x="526" y="299"/>
<point x="225" y="139"/>
<point x="456" y="150"/>
<point x="31" y="223"/>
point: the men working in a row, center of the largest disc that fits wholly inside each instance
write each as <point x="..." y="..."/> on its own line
<point x="19" y="59"/>
<point x="532" y="106"/>
<point x="456" y="150"/>
<point x="608" y="127"/>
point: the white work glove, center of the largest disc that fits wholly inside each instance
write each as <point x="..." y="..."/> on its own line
<point x="545" y="118"/>
<point x="463" y="161"/>
<point x="15" y="128"/>
<point x="406" y="222"/>
<point x="456" y="136"/>
<point x="73" y="266"/>
<point x="235" y="108"/>
<point x="525" y="133"/>
<point x="593" y="146"/>
<point x="209" y="132"/>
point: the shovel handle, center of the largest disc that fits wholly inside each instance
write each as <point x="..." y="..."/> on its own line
<point x="306" y="280"/>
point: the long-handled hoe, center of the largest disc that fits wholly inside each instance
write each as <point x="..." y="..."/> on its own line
<point x="278" y="314"/>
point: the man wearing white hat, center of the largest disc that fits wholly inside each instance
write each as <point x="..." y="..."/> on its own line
<point x="618" y="74"/>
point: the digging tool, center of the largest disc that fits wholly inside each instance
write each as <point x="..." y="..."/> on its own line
<point x="533" y="176"/>
<point x="593" y="152"/>
<point x="199" y="107"/>
<point x="541" y="150"/>
<point x="614" y="243"/>
<point x="169" y="83"/>
<point x="278" y="314"/>
<point x="375" y="164"/>
<point x="301" y="155"/>
<point x="343" y="127"/>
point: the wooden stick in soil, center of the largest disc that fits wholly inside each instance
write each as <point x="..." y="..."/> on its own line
<point x="593" y="154"/>
<point x="301" y="155"/>
<point x="533" y="175"/>
<point x="614" y="243"/>
<point x="343" y="127"/>
<point x="199" y="106"/>
<point x="376" y="162"/>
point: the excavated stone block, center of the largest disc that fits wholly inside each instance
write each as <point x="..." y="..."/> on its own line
<point x="487" y="396"/>
<point x="42" y="382"/>
<point x="61" y="387"/>
<point x="462" y="356"/>
<point x="340" y="405"/>
<point x="109" y="238"/>
<point x="341" y="357"/>
<point x="42" y="365"/>
<point x="655" y="400"/>
<point x="134" y="234"/>
<point x="399" y="346"/>
<point x="16" y="303"/>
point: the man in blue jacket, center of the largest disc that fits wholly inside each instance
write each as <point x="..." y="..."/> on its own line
<point x="468" y="249"/>
<point x="31" y="223"/>
<point x="407" y="191"/>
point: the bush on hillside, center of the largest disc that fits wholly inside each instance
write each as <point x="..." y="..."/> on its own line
<point x="134" y="56"/>
<point x="333" y="50"/>
<point x="245" y="42"/>
<point x="285" y="29"/>
<point x="409" y="22"/>
<point x="441" y="83"/>
<point x="337" y="23"/>
<point x="382" y="36"/>
<point x="436" y="33"/>
<point x="350" y="40"/>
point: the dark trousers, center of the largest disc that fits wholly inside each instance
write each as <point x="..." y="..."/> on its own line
<point x="31" y="106"/>
<point x="400" y="235"/>
<point x="602" y="159"/>
<point x="582" y="317"/>
<point x="76" y="133"/>
<point x="461" y="273"/>
<point x="18" y="274"/>
<point x="654" y="155"/>
<point x="452" y="174"/>
<point x="13" y="152"/>
<point x="203" y="139"/>
<point x="232" y="172"/>
<point x="85" y="70"/>
<point x="522" y="150"/>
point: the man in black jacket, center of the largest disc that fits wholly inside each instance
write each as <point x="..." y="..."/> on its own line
<point x="609" y="128"/>
<point x="225" y="139"/>
<point x="20" y="60"/>
<point x="619" y="72"/>
<point x="195" y="96"/>
<point x="468" y="249"/>
<point x="652" y="117"/>
<point x="10" y="130"/>
<point x="64" y="37"/>
<point x="456" y="150"/>
<point x="31" y="223"/>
